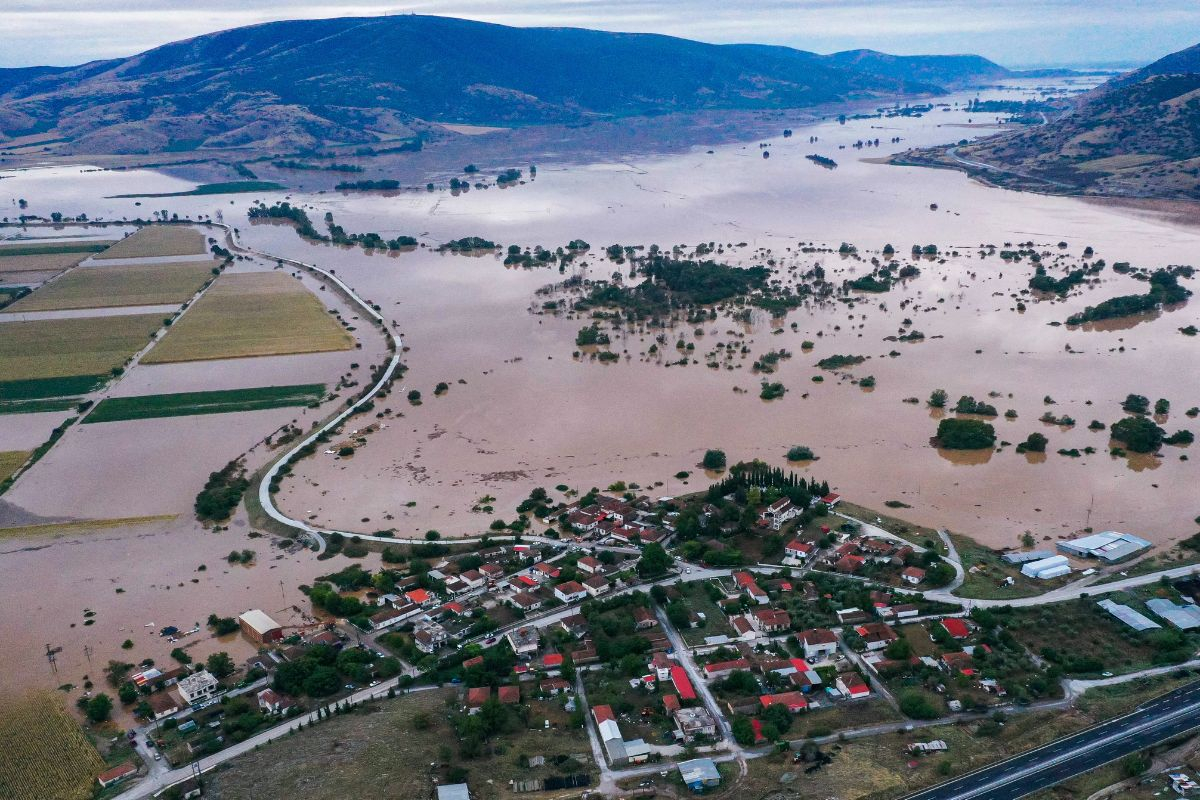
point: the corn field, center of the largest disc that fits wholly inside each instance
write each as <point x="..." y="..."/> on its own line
<point x="43" y="752"/>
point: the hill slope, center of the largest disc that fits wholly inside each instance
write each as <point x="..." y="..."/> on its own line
<point x="300" y="84"/>
<point x="1136" y="135"/>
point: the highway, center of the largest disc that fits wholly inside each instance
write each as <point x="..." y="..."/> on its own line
<point x="1162" y="718"/>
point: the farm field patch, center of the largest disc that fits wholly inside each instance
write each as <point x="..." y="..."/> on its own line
<point x="11" y="461"/>
<point x="68" y="348"/>
<point x="251" y="314"/>
<point x="45" y="752"/>
<point x="115" y="286"/>
<point x="216" y="402"/>
<point x="25" y="249"/>
<point x="158" y="240"/>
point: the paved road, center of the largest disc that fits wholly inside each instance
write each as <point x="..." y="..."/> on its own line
<point x="1171" y="715"/>
<point x="1069" y="592"/>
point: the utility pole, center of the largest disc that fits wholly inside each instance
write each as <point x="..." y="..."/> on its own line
<point x="52" y="657"/>
<point x="87" y="652"/>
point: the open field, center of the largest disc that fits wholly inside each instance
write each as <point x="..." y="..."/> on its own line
<point x="20" y="265"/>
<point x="71" y="347"/>
<point x="11" y="461"/>
<point x="115" y="286"/>
<point x="45" y="752"/>
<point x="37" y="406"/>
<point x="377" y="752"/>
<point x="40" y="388"/>
<point x="251" y="314"/>
<point x="219" y="402"/>
<point x="85" y="526"/>
<point x="80" y="249"/>
<point x="158" y="240"/>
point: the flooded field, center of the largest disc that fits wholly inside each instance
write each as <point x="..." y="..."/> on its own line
<point x="522" y="412"/>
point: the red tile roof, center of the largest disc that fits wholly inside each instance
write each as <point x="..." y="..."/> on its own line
<point x="603" y="714"/>
<point x="552" y="660"/>
<point x="725" y="666"/>
<point x="417" y="595"/>
<point x="682" y="684"/>
<point x="510" y="694"/>
<point x="956" y="628"/>
<point x="793" y="700"/>
<point x="479" y="695"/>
<point x="671" y="702"/>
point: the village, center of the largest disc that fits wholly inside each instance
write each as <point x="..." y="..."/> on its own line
<point x="674" y="639"/>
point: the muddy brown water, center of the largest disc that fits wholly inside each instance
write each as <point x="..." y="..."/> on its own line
<point x="530" y="415"/>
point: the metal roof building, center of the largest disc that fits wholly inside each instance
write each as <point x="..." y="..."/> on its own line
<point x="1183" y="617"/>
<point x="699" y="773"/>
<point x="1022" y="557"/>
<point x="1051" y="567"/>
<point x="1134" y="619"/>
<point x="453" y="791"/>
<point x="1109" y="546"/>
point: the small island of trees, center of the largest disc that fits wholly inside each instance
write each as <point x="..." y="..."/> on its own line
<point x="965" y="434"/>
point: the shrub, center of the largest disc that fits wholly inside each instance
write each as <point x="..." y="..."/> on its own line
<point x="714" y="459"/>
<point x="965" y="434"/>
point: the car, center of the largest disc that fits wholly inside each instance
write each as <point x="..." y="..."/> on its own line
<point x="491" y="640"/>
<point x="157" y="756"/>
<point x="373" y="684"/>
<point x="688" y="571"/>
<point x="1106" y="674"/>
<point x="350" y="686"/>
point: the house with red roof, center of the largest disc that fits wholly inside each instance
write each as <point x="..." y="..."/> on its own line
<point x="596" y="585"/>
<point x="643" y="618"/>
<point x="683" y="685"/>
<point x="770" y="620"/>
<point x="852" y="685"/>
<point x="509" y="695"/>
<point x="848" y="565"/>
<point x="590" y="565"/>
<point x="477" y="696"/>
<point x="794" y="701"/>
<point x="956" y="627"/>
<point x="831" y="499"/>
<point x="797" y="552"/>
<point x="876" y="635"/>
<point x="419" y="596"/>
<point x="473" y="662"/>
<point x="115" y="775"/>
<point x="526" y="601"/>
<point x="671" y="703"/>
<point x="721" y="669"/>
<point x="743" y="627"/>
<point x="912" y="575"/>
<point x="552" y="660"/>
<point x="554" y="686"/>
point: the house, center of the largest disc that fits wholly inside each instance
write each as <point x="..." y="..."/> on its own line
<point x="876" y="635"/>
<point x="661" y="664"/>
<point x="905" y="611"/>
<point x="721" y="669"/>
<point x="553" y="686"/>
<point x="831" y="499"/>
<point x="848" y="565"/>
<point x="879" y="550"/>
<point x="850" y="616"/>
<point x="570" y="592"/>
<point x="590" y="565"/>
<point x="596" y="585"/>
<point x="453" y="791"/>
<point x="797" y="552"/>
<point x="542" y="571"/>
<point x="115" y="775"/>
<point x="387" y="618"/>
<point x="583" y="521"/>
<point x="430" y="636"/>
<point x="620" y="752"/>
<point x="912" y="575"/>
<point x="818" y="643"/>
<point x="770" y="620"/>
<point x="163" y="704"/>
<point x="794" y="701"/>
<point x="476" y="697"/>
<point x="671" y="703"/>
<point x="524" y="641"/>
<point x="958" y="662"/>
<point x="699" y="774"/>
<point x="804" y="677"/>
<point x="419" y="597"/>
<point x="492" y="572"/>
<point x="691" y="723"/>
<point x="852" y="685"/>
<point x="956" y="627"/>
<point x="197" y="687"/>
<point x="778" y="513"/>
<point x="585" y="654"/>
<point x="743" y="627"/>
<point x="273" y="702"/>
<point x="552" y="661"/>
<point x="473" y="578"/>
<point x="576" y="624"/>
<point x="742" y="705"/>
<point x="509" y="695"/>
<point x="259" y="628"/>
<point x="643" y="618"/>
<point x="526" y="602"/>
<point x="683" y="685"/>
<point x="746" y="583"/>
<point x="454" y="585"/>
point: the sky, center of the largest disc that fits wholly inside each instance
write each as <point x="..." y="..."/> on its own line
<point x="1015" y="33"/>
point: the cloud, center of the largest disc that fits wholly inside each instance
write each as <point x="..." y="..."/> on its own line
<point x="1013" y="32"/>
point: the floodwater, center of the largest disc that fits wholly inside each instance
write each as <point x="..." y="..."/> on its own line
<point x="527" y="414"/>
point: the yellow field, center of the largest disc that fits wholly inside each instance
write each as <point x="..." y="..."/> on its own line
<point x="252" y="314"/>
<point x="11" y="461"/>
<point x="158" y="240"/>
<point x="39" y="262"/>
<point x="45" y="753"/>
<point x="121" y="285"/>
<point x="62" y="347"/>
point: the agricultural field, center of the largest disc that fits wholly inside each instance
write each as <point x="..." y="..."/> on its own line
<point x="79" y="249"/>
<point x="70" y="348"/>
<point x="45" y="752"/>
<point x="393" y="748"/>
<point x="226" y="401"/>
<point x="11" y="461"/>
<point x="120" y="285"/>
<point x="14" y="268"/>
<point x="158" y="240"/>
<point x="42" y="388"/>
<point x="251" y="314"/>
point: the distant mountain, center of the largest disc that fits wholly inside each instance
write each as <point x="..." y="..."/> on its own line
<point x="303" y="84"/>
<point x="1136" y="135"/>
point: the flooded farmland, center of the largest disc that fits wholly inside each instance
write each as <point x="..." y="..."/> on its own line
<point x="521" y="411"/>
